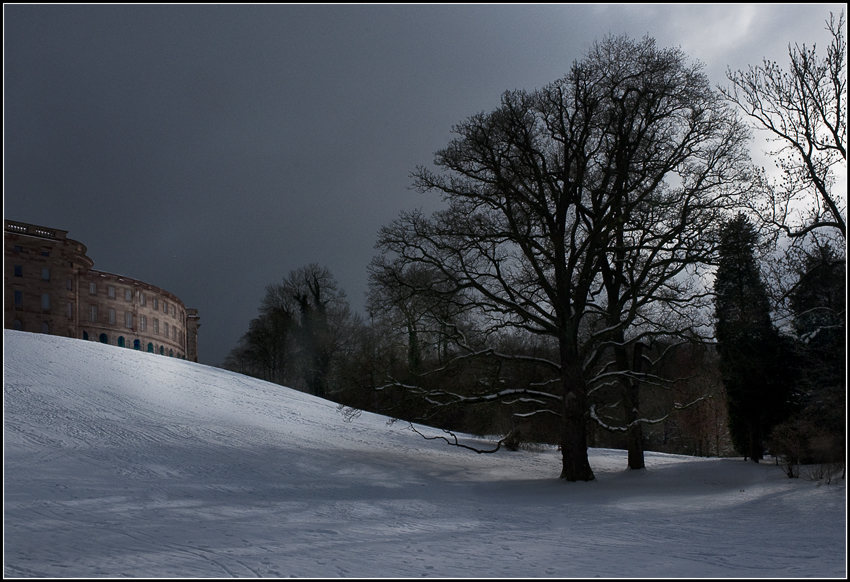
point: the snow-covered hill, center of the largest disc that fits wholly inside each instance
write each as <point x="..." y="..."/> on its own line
<point x="121" y="463"/>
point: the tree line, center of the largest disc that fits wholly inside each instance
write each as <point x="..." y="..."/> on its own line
<point x="610" y="269"/>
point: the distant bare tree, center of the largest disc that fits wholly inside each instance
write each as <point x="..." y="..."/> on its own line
<point x="313" y="298"/>
<point x="300" y="328"/>
<point x="412" y="295"/>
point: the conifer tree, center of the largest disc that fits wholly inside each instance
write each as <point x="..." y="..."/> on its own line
<point x="819" y="303"/>
<point x="753" y="356"/>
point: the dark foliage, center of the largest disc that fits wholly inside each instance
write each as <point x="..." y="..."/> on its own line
<point x="816" y="433"/>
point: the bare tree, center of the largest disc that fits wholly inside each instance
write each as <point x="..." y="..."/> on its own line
<point x="302" y="324"/>
<point x="431" y="315"/>
<point x="321" y="311"/>
<point x="581" y="203"/>
<point x="264" y="350"/>
<point x="805" y="111"/>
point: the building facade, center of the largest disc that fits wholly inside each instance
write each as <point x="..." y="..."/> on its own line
<point x="50" y="287"/>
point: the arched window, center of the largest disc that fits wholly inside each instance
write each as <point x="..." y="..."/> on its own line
<point x="150" y="348"/>
<point x="86" y="335"/>
<point x="161" y="350"/>
<point x="120" y="341"/>
<point x="170" y="353"/>
<point x="45" y="327"/>
<point x="19" y="325"/>
<point x="104" y="339"/>
<point x="137" y="345"/>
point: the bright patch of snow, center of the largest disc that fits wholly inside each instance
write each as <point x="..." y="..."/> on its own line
<point x="121" y="463"/>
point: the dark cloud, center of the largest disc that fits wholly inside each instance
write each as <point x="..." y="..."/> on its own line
<point x="212" y="149"/>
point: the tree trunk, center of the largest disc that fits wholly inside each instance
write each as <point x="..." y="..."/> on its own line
<point x="414" y="358"/>
<point x="575" y="465"/>
<point x="634" y="440"/>
<point x="755" y="442"/>
<point x="630" y="395"/>
<point x="634" y="436"/>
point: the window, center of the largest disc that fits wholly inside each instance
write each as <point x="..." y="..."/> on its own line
<point x="19" y="249"/>
<point x="45" y="327"/>
<point x="161" y="350"/>
<point x="110" y="290"/>
<point x="71" y="311"/>
<point x="155" y="326"/>
<point x="92" y="288"/>
<point x="174" y="333"/>
<point x="120" y="341"/>
<point x="150" y="348"/>
<point x="19" y="325"/>
<point x="104" y="339"/>
<point x="165" y="308"/>
<point x="111" y="316"/>
<point x="143" y="323"/>
<point x="19" y="271"/>
<point x="128" y="319"/>
<point x="45" y="253"/>
<point x="137" y="345"/>
<point x="45" y="301"/>
<point x="142" y="298"/>
<point x="69" y="284"/>
<point x="155" y="304"/>
<point x="19" y="299"/>
<point x="45" y="274"/>
<point x="165" y="329"/>
<point x="93" y="313"/>
<point x="128" y="294"/>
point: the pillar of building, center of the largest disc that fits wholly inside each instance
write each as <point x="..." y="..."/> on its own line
<point x="192" y="325"/>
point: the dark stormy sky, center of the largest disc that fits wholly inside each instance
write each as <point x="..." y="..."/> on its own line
<point x="211" y="149"/>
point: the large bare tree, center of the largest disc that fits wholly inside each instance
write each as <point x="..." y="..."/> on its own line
<point x="574" y="212"/>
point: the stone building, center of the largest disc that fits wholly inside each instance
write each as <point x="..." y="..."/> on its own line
<point x="50" y="287"/>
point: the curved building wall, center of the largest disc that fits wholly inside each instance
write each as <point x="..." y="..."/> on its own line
<point x="51" y="287"/>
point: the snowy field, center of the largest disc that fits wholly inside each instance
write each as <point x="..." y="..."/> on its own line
<point x="121" y="463"/>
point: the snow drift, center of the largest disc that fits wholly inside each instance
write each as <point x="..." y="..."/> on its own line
<point x="121" y="463"/>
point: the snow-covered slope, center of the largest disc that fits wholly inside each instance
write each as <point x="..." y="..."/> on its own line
<point x="120" y="463"/>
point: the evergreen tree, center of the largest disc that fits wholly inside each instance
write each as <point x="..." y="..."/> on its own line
<point x="753" y="356"/>
<point x="819" y="299"/>
<point x="819" y="302"/>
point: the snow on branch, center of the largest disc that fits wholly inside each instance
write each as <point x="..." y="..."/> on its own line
<point x="432" y="395"/>
<point x="625" y="428"/>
